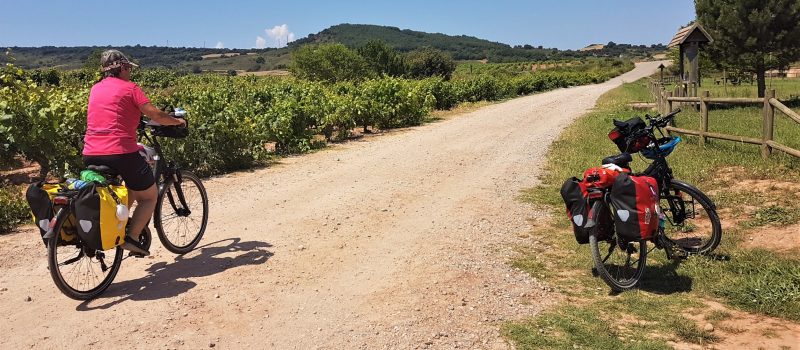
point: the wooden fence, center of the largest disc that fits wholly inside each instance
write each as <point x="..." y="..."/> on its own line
<point x="667" y="101"/>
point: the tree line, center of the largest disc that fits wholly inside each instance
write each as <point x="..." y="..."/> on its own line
<point x="336" y="62"/>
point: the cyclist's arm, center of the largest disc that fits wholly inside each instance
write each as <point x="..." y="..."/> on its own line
<point x="160" y="116"/>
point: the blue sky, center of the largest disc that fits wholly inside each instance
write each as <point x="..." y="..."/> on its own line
<point x="565" y="24"/>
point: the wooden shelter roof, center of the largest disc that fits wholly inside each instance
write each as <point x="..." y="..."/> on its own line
<point x="692" y="33"/>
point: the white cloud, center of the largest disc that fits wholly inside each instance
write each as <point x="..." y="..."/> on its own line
<point x="280" y="35"/>
<point x="261" y="42"/>
<point x="220" y="45"/>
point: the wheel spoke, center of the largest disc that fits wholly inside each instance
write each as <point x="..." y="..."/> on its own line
<point x="692" y="225"/>
<point x="178" y="230"/>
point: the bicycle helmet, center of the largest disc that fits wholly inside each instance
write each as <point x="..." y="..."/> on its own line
<point x="665" y="146"/>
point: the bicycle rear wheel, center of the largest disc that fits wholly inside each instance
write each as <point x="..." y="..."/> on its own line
<point x="692" y="222"/>
<point x="181" y="213"/>
<point x="78" y="271"/>
<point x="620" y="264"/>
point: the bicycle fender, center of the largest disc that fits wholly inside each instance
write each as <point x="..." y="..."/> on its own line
<point x="700" y="193"/>
<point x="593" y="214"/>
<point x="62" y="213"/>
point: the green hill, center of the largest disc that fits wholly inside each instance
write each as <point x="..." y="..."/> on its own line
<point x="463" y="47"/>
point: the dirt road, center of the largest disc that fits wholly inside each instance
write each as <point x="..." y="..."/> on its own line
<point x="401" y="241"/>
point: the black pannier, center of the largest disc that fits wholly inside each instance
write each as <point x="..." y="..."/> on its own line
<point x="40" y="200"/>
<point x="575" y="197"/>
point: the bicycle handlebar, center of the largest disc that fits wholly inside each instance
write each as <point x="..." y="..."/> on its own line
<point x="660" y="122"/>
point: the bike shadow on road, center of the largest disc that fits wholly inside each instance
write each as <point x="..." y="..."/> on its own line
<point x="165" y="280"/>
<point x="665" y="279"/>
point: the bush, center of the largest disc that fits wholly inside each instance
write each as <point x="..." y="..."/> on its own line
<point x="13" y="209"/>
<point x="329" y="63"/>
<point x="429" y="62"/>
<point x="444" y="92"/>
<point x="382" y="59"/>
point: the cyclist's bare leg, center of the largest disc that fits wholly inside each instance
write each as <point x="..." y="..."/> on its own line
<point x="145" y="205"/>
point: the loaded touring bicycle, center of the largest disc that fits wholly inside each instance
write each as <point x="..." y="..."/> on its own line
<point x="82" y="222"/>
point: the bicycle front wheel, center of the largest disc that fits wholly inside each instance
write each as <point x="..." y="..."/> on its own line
<point x="620" y="264"/>
<point x="181" y="213"/>
<point x="78" y="271"/>
<point x="692" y="222"/>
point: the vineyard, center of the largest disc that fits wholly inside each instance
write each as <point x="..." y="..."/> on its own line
<point x="468" y="69"/>
<point x="241" y="122"/>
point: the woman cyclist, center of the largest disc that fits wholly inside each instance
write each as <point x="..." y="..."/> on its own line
<point x="115" y="108"/>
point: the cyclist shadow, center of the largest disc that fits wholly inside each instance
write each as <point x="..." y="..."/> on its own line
<point x="664" y="279"/>
<point x="165" y="280"/>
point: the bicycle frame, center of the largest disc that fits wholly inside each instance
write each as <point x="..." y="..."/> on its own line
<point x="166" y="174"/>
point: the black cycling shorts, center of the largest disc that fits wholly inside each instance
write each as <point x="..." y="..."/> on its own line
<point x="131" y="166"/>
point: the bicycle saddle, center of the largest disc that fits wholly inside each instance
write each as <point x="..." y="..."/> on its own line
<point x="104" y="170"/>
<point x="622" y="160"/>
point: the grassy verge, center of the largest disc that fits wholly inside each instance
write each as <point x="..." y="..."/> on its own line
<point x="753" y="280"/>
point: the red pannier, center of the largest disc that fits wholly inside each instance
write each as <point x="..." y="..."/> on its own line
<point x="636" y="209"/>
<point x="575" y="195"/>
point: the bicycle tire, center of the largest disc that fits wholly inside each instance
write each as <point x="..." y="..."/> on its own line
<point x="616" y="284"/>
<point x="158" y="216"/>
<point x="708" y="245"/>
<point x="55" y="272"/>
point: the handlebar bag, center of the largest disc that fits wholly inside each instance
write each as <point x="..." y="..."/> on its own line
<point x="634" y="200"/>
<point x="575" y="196"/>
<point x="626" y="135"/>
<point x="40" y="200"/>
<point x="174" y="132"/>
<point x="96" y="215"/>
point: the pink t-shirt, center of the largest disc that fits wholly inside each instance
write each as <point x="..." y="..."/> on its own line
<point x="113" y="117"/>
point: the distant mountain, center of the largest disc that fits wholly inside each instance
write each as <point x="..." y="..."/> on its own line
<point x="461" y="47"/>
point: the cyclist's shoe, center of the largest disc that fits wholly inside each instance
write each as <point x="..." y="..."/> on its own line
<point x="135" y="247"/>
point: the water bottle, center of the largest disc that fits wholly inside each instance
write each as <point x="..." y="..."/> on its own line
<point x="91" y="176"/>
<point x="76" y="184"/>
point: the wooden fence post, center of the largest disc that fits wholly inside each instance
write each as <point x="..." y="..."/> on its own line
<point x="676" y="93"/>
<point x="704" y="116"/>
<point x="669" y="103"/>
<point x="769" y="124"/>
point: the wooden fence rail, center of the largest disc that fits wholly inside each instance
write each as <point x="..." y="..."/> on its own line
<point x="666" y="101"/>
